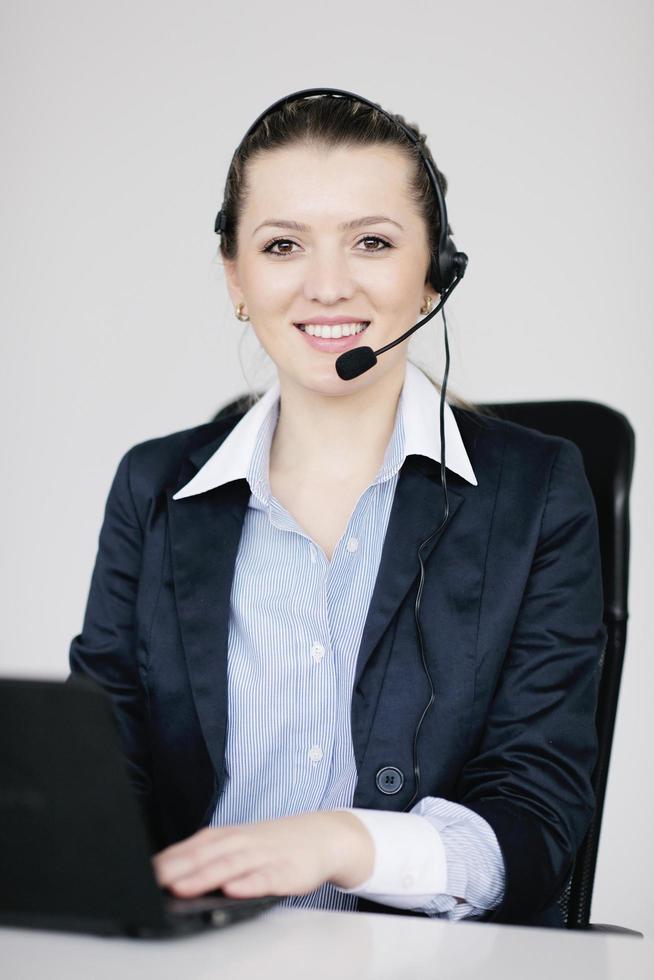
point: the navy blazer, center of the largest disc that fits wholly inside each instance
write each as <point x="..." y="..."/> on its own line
<point x="511" y="616"/>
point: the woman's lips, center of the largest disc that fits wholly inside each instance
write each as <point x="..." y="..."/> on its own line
<point x="334" y="345"/>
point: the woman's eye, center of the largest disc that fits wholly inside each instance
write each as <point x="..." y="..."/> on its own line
<point x="269" y="248"/>
<point x="376" y="238"/>
<point x="278" y="241"/>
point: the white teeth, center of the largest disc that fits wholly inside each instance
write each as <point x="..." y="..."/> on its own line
<point x="334" y="332"/>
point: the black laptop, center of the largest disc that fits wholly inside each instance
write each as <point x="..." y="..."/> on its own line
<point x="74" y="850"/>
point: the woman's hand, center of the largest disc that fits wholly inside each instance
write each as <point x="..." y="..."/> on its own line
<point x="289" y="856"/>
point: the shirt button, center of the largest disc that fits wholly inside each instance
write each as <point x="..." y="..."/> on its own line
<point x="315" y="754"/>
<point x="408" y="880"/>
<point x="353" y="544"/>
<point x="317" y="651"/>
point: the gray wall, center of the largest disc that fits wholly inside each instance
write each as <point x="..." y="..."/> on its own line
<point x="119" y="120"/>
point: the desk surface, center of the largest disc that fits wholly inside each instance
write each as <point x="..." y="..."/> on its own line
<point x="313" y="944"/>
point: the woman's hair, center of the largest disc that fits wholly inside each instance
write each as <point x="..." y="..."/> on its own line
<point x="330" y="122"/>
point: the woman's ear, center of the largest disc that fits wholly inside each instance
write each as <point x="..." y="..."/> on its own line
<point x="428" y="290"/>
<point x="232" y="281"/>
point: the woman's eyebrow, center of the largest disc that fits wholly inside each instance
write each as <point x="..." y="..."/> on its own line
<point x="371" y="219"/>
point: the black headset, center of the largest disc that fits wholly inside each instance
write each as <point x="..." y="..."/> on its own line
<point x="446" y="270"/>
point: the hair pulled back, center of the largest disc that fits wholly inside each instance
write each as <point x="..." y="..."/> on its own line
<point x="332" y="121"/>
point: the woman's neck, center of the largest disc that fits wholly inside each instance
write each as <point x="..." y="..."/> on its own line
<point x="322" y="438"/>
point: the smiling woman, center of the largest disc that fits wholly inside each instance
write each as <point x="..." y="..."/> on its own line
<point x="252" y="606"/>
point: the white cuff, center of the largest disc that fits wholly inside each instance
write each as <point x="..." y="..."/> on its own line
<point x="410" y="865"/>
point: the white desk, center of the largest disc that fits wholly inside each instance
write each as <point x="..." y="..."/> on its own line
<point x="298" y="944"/>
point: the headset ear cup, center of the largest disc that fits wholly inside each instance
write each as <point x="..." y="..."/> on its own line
<point x="452" y="264"/>
<point x="460" y="261"/>
<point x="447" y="265"/>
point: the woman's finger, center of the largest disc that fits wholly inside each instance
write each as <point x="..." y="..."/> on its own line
<point x="250" y="872"/>
<point x="169" y="864"/>
<point x="253" y="885"/>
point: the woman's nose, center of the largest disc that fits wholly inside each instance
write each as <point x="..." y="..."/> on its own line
<point x="328" y="277"/>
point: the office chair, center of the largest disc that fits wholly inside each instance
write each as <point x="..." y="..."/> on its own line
<point x="607" y="443"/>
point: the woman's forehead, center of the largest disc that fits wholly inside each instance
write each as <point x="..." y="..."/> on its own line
<point x="314" y="178"/>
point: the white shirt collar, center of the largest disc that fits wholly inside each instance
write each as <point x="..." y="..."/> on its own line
<point x="420" y="407"/>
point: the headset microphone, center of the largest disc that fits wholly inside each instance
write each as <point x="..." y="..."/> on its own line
<point x="446" y="271"/>
<point x="354" y="362"/>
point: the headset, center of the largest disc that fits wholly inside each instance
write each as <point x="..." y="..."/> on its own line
<point x="446" y="271"/>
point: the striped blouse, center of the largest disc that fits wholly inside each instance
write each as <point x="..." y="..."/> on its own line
<point x="296" y="622"/>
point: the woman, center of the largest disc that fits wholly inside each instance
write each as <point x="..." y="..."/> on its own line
<point x="251" y="606"/>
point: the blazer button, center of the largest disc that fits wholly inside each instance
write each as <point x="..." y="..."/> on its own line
<point x="389" y="780"/>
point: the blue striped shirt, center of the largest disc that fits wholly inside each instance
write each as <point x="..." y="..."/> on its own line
<point x="296" y="622"/>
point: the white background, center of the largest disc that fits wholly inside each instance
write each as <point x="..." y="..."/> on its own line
<point x="119" y="120"/>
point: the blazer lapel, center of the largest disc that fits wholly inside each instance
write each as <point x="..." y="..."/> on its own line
<point x="418" y="510"/>
<point x="454" y="561"/>
<point x="205" y="530"/>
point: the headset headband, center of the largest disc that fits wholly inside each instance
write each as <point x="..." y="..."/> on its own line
<point x="450" y="263"/>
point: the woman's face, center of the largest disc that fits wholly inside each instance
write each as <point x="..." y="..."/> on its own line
<point x="288" y="275"/>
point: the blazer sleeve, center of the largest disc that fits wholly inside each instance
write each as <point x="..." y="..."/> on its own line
<point x="530" y="777"/>
<point x="105" y="649"/>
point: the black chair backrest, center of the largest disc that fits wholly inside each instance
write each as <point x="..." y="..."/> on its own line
<point x="607" y="443"/>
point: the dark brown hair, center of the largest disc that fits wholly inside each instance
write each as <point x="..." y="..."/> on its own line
<point x="336" y="121"/>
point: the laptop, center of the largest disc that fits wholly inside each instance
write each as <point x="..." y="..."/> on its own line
<point x="74" y="847"/>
